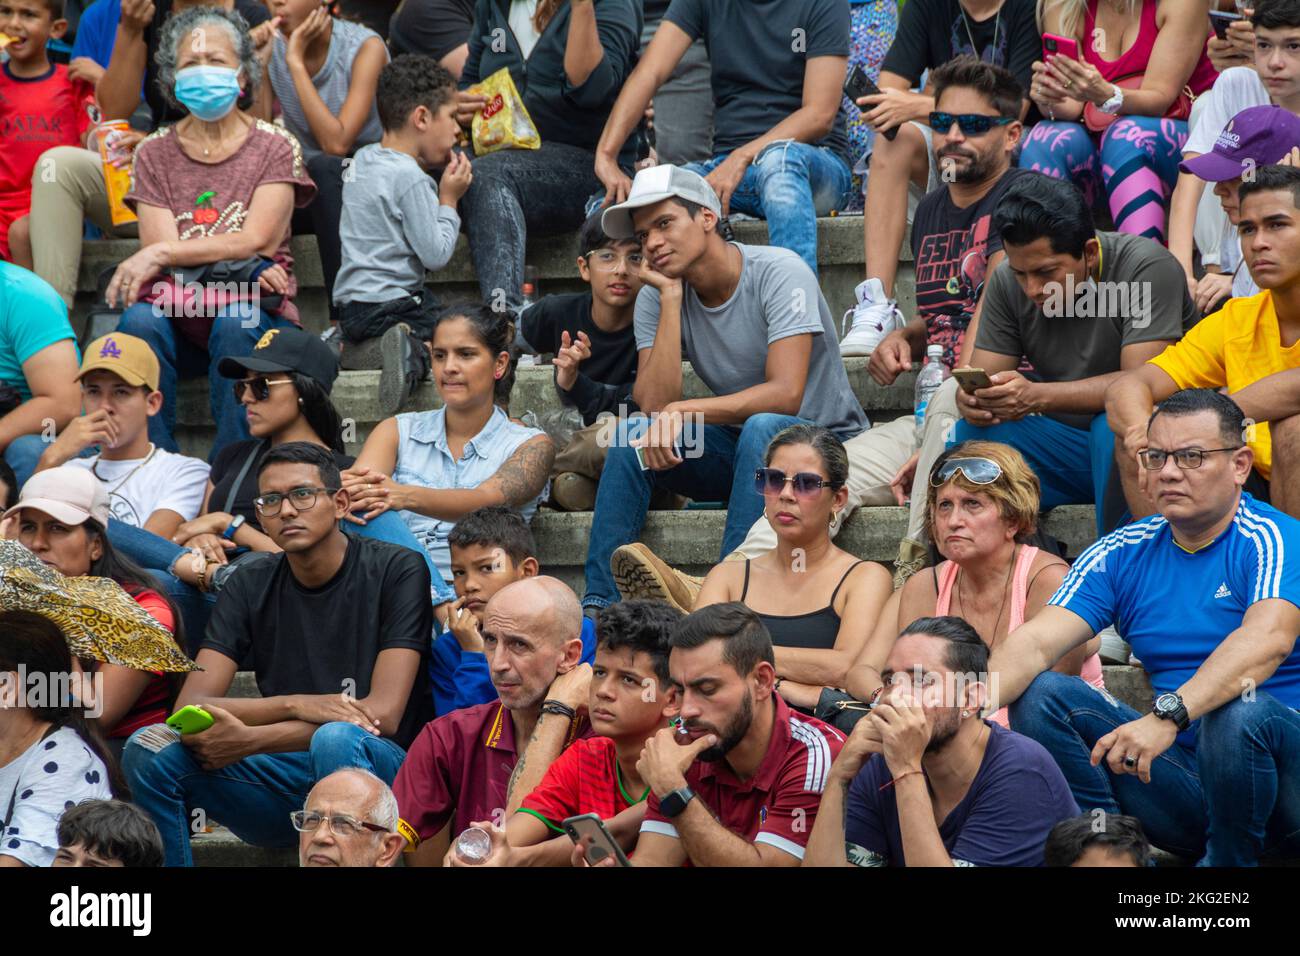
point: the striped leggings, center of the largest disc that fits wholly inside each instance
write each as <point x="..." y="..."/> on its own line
<point x="1135" y="160"/>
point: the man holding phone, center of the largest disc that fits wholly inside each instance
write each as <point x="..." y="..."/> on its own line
<point x="903" y="169"/>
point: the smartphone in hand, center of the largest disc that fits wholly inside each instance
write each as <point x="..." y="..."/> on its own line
<point x="859" y="85"/>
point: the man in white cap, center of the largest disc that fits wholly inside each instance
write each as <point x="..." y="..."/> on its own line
<point x="148" y="487"/>
<point x="754" y="325"/>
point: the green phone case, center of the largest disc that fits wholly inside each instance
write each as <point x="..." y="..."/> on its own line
<point x="190" y="719"/>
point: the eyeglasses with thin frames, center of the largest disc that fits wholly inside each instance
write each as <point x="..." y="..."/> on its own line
<point x="805" y="484"/>
<point x="606" y="260"/>
<point x="1153" y="459"/>
<point x="340" y="824"/>
<point x="302" y="499"/>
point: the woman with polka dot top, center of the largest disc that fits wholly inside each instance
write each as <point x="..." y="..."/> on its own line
<point x="50" y="759"/>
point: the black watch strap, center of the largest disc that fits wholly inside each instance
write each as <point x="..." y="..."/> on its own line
<point x="673" y="804"/>
<point x="1177" y="713"/>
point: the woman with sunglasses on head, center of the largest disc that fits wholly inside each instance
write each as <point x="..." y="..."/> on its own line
<point x="435" y="467"/>
<point x="981" y="509"/>
<point x="819" y="602"/>
<point x="62" y="517"/>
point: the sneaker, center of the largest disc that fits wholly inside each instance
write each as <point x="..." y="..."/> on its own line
<point x="400" y="369"/>
<point x="874" y="317"/>
<point x="640" y="573"/>
<point x="571" y="491"/>
<point x="912" y="556"/>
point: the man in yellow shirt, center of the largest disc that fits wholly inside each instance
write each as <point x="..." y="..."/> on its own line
<point x="1250" y="347"/>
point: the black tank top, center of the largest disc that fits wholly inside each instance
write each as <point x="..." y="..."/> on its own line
<point x="815" y="630"/>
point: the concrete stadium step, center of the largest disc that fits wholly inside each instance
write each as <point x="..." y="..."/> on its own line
<point x="356" y="395"/>
<point x="220" y="847"/>
<point x="839" y="257"/>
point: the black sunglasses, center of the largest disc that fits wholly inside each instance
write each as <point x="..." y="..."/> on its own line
<point x="261" y="387"/>
<point x="806" y="484"/>
<point x="971" y="124"/>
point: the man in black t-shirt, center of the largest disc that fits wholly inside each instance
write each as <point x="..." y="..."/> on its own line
<point x="903" y="169"/>
<point x="337" y="629"/>
<point x="436" y="28"/>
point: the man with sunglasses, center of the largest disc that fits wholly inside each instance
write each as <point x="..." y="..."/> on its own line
<point x="1208" y="591"/>
<point x="337" y="629"/>
<point x="1081" y="307"/>
<point x="1248" y="347"/>
<point x="349" y="819"/>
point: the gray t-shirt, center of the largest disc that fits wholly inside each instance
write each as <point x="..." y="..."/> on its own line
<point x="392" y="228"/>
<point x="1142" y="297"/>
<point x="777" y="297"/>
<point x="757" y="53"/>
<point x="331" y="82"/>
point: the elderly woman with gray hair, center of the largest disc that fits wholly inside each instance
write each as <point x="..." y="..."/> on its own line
<point x="214" y="194"/>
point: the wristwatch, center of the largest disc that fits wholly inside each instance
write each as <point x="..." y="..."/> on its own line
<point x="673" y="804"/>
<point x="1112" y="105"/>
<point x="236" y="523"/>
<point x="1171" y="707"/>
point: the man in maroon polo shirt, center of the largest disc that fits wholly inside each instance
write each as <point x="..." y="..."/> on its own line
<point x="741" y="785"/>
<point x="460" y="767"/>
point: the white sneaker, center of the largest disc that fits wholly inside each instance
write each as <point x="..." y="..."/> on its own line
<point x="874" y="317"/>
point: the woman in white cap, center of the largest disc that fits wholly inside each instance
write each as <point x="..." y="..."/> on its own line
<point x="62" y="516"/>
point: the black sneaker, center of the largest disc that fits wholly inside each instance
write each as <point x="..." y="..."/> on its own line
<point x="404" y="364"/>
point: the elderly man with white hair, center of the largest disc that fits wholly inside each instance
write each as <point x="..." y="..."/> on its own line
<point x="349" y="819"/>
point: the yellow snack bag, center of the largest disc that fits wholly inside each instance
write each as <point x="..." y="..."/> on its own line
<point x="503" y="122"/>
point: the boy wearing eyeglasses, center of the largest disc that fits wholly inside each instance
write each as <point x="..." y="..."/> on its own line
<point x="591" y="336"/>
<point x="337" y="630"/>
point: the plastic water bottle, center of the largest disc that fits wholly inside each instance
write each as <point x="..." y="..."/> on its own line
<point x="474" y="845"/>
<point x="526" y="357"/>
<point x="928" y="381"/>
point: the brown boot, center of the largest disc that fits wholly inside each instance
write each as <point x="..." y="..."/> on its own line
<point x="912" y="556"/>
<point x="640" y="573"/>
<point x="571" y="491"/>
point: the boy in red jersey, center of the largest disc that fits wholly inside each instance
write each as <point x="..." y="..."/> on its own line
<point x="40" y="107"/>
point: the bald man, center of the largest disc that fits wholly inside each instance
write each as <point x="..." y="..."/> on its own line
<point x="349" y="819"/>
<point x="460" y="768"/>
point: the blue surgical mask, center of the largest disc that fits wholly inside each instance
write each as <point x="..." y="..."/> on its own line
<point x="208" y="92"/>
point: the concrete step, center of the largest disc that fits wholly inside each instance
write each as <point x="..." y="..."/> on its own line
<point x="839" y="258"/>
<point x="220" y="847"/>
<point x="356" y="395"/>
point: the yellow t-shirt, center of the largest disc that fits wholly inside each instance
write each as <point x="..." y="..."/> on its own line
<point x="1234" y="347"/>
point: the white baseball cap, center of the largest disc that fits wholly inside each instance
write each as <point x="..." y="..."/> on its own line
<point x="654" y="185"/>
<point x="67" y="494"/>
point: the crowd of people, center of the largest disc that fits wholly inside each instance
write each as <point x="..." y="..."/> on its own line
<point x="1108" y="332"/>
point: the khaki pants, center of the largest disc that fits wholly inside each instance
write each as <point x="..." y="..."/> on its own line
<point x="67" y="186"/>
<point x="875" y="457"/>
<point x="585" y="452"/>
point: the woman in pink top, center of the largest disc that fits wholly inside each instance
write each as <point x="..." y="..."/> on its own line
<point x="982" y="506"/>
<point x="1137" y="59"/>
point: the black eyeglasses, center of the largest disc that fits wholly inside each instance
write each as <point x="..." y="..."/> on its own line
<point x="971" y="124"/>
<point x="303" y="499"/>
<point x="772" y="481"/>
<point x="979" y="471"/>
<point x="261" y="387"/>
<point x="307" y="821"/>
<point x="1153" y="459"/>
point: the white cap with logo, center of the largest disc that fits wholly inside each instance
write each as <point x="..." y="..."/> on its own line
<point x="654" y="185"/>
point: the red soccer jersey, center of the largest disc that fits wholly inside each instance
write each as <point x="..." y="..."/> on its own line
<point x="583" y="779"/>
<point x="778" y="805"/>
<point x="36" y="113"/>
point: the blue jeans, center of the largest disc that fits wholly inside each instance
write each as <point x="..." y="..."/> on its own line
<point x="23" y="454"/>
<point x="234" y="332"/>
<point x="252" y="797"/>
<point x="1228" y="800"/>
<point x="721" y="470"/>
<point x="1072" y="464"/>
<point x="790" y="184"/>
<point x="158" y="555"/>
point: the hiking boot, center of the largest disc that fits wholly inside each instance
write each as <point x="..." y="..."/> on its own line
<point x="874" y="317"/>
<point x="912" y="556"/>
<point x="640" y="573"/>
<point x="571" y="491"/>
<point x="401" y="368"/>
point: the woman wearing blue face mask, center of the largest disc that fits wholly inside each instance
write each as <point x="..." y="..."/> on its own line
<point x="214" y="194"/>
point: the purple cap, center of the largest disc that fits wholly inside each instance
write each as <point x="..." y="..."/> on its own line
<point x="1254" y="137"/>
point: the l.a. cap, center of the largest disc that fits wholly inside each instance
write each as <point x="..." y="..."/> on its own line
<point x="127" y="357"/>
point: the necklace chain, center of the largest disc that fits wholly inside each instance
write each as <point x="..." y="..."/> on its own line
<point x="997" y="22"/>
<point x="94" y="469"/>
<point x="1006" y="589"/>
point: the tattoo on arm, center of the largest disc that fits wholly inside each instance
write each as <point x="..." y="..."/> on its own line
<point x="524" y="474"/>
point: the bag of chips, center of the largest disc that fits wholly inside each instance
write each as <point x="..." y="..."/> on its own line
<point x="503" y="122"/>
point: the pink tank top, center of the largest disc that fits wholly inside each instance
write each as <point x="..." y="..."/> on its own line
<point x="1135" y="59"/>
<point x="947" y="580"/>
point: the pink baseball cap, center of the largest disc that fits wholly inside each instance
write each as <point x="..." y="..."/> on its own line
<point x="67" y="494"/>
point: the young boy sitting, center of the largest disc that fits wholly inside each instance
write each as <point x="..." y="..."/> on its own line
<point x="591" y="336"/>
<point x="40" y="107"/>
<point x="1097" y="839"/>
<point x="147" y="487"/>
<point x="107" y="833"/>
<point x="490" y="548"/>
<point x="397" y="224"/>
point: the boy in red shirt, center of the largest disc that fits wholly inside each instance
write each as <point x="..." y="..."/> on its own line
<point x="40" y="107"/>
